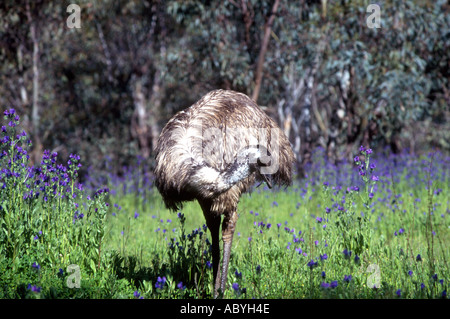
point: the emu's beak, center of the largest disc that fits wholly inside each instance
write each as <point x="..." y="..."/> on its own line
<point x="265" y="161"/>
<point x="267" y="179"/>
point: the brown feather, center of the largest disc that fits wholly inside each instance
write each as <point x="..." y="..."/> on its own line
<point x="210" y="133"/>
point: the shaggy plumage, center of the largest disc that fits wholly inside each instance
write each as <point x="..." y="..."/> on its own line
<point x="214" y="151"/>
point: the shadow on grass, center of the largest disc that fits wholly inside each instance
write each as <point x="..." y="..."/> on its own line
<point x="190" y="272"/>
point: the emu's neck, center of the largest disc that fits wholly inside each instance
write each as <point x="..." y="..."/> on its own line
<point x="209" y="181"/>
<point x="236" y="173"/>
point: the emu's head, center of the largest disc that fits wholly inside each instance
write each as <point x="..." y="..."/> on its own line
<point x="251" y="159"/>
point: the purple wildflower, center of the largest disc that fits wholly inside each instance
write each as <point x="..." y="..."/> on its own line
<point x="311" y="264"/>
<point x="160" y="282"/>
<point x="137" y="295"/>
<point x="347" y="253"/>
<point x="258" y="269"/>
<point x="34" y="288"/>
<point x="325" y="285"/>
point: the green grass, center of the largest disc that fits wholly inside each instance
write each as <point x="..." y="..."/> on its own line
<point x="373" y="232"/>
<point x="385" y="260"/>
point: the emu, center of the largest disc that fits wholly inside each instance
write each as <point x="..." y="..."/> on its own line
<point x="213" y="152"/>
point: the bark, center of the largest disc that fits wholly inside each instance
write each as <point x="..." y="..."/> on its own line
<point x="145" y="119"/>
<point x="248" y="15"/>
<point x="35" y="116"/>
<point x="105" y="48"/>
<point x="22" y="88"/>
<point x="262" y="52"/>
<point x="306" y="113"/>
<point x="155" y="102"/>
<point x="139" y="122"/>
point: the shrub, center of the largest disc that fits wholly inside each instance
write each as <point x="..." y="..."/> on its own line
<point x="47" y="222"/>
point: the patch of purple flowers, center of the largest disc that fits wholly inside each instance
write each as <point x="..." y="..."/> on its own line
<point x="34" y="288"/>
<point x="160" y="281"/>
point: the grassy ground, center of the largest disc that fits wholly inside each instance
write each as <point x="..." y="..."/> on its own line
<point x="307" y="241"/>
<point x="377" y="227"/>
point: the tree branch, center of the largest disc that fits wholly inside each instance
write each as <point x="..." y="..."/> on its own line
<point x="262" y="53"/>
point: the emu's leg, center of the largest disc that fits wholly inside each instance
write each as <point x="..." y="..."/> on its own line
<point x="228" y="227"/>
<point x="213" y="223"/>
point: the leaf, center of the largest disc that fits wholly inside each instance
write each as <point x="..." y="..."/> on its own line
<point x="92" y="265"/>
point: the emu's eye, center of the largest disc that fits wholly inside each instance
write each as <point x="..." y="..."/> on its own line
<point x="264" y="161"/>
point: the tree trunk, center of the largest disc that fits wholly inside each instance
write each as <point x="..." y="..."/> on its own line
<point x="155" y="102"/>
<point x="139" y="122"/>
<point x="306" y="113"/>
<point x="35" y="117"/>
<point x="262" y="52"/>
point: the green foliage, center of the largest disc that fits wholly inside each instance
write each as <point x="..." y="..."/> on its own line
<point x="338" y="233"/>
<point x="46" y="224"/>
<point x="362" y="85"/>
<point x="333" y="82"/>
<point x="190" y="259"/>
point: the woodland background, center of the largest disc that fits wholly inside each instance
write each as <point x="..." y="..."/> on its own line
<point x="105" y="90"/>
